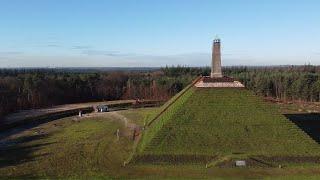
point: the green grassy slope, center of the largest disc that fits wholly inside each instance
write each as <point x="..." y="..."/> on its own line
<point x="209" y="122"/>
<point x="154" y="129"/>
<point x="89" y="149"/>
<point x="79" y="149"/>
<point x="152" y="117"/>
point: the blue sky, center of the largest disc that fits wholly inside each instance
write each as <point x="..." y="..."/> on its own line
<point x="136" y="33"/>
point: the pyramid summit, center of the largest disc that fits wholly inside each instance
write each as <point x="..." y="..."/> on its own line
<point x="216" y="78"/>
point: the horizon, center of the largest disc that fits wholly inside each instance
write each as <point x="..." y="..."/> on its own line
<point x="82" y="34"/>
<point x="159" y="67"/>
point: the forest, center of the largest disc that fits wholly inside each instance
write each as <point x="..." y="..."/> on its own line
<point x="36" y="88"/>
<point x="286" y="83"/>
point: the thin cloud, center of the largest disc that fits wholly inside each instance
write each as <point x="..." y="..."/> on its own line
<point x="81" y="47"/>
<point x="238" y="53"/>
<point x="315" y="53"/>
<point x="105" y="53"/>
<point x="9" y="53"/>
<point x="53" y="45"/>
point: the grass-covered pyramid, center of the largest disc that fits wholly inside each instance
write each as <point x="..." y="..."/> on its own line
<point x="201" y="124"/>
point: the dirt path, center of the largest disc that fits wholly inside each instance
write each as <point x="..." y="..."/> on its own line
<point x="125" y="120"/>
<point x="130" y="127"/>
<point x="116" y="115"/>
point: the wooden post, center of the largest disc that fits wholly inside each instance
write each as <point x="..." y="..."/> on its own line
<point x="134" y="134"/>
<point x="118" y="134"/>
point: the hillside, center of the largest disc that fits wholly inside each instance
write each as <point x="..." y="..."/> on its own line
<point x="206" y="123"/>
<point x="88" y="148"/>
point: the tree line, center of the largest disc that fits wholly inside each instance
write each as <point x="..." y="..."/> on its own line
<point x="287" y="83"/>
<point x="36" y="88"/>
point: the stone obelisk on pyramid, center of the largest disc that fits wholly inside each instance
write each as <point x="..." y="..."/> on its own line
<point x="216" y="71"/>
<point x="216" y="78"/>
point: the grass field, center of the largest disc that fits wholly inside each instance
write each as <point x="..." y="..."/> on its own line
<point x="87" y="148"/>
<point x="81" y="148"/>
<point x="70" y="147"/>
<point x="222" y="125"/>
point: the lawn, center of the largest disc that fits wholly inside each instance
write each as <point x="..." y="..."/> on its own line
<point x="80" y="149"/>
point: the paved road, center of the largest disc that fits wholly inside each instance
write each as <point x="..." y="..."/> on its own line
<point x="38" y="112"/>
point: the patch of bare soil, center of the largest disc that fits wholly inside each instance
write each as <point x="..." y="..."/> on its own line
<point x="295" y="106"/>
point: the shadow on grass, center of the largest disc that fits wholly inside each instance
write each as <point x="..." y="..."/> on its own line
<point x="309" y="123"/>
<point x="6" y="132"/>
<point x="20" y="150"/>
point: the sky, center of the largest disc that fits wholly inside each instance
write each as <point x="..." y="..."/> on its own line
<point x="150" y="33"/>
